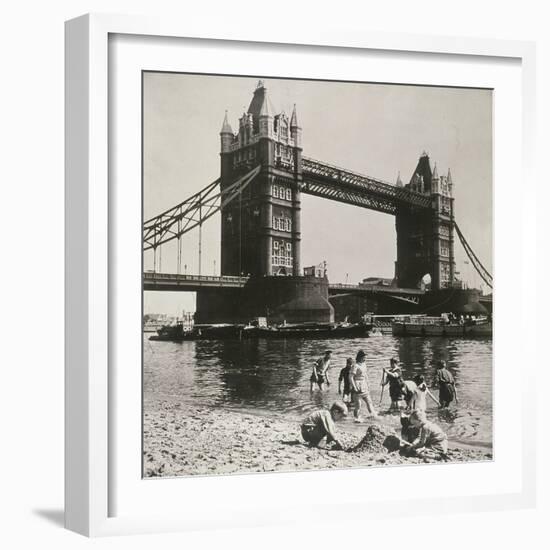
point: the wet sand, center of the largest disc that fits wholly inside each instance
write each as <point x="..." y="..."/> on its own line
<point x="217" y="441"/>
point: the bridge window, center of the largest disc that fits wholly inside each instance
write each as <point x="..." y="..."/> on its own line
<point x="444" y="250"/>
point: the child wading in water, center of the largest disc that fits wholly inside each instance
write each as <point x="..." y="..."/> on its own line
<point x="359" y="386"/>
<point x="395" y="380"/>
<point x="444" y="379"/>
<point x="319" y="373"/>
<point x="344" y="379"/>
<point x="418" y="401"/>
<point x="320" y="424"/>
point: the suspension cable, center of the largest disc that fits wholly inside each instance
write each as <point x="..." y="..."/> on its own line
<point x="192" y="212"/>
<point x="483" y="273"/>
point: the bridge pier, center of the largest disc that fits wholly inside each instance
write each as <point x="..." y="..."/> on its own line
<point x="279" y="299"/>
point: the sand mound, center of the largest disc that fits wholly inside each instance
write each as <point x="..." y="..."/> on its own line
<point x="378" y="439"/>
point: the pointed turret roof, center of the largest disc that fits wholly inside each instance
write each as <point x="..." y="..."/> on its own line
<point x="435" y="175"/>
<point x="449" y="179"/>
<point x="423" y="167"/>
<point x="226" y="127"/>
<point x="265" y="110"/>
<point x="399" y="183"/>
<point x="260" y="104"/>
<point x="294" y="118"/>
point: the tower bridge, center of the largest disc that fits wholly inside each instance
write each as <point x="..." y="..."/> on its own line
<point x="263" y="175"/>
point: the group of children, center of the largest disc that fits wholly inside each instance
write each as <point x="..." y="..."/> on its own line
<point x="419" y="436"/>
<point x="354" y="379"/>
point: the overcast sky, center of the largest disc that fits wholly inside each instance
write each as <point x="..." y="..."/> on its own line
<point x="374" y="129"/>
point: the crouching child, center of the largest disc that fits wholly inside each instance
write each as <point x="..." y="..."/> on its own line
<point x="320" y="424"/>
<point x="431" y="441"/>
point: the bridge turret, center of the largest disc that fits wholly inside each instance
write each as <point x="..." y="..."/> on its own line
<point x="295" y="129"/>
<point x="226" y="135"/>
<point x="450" y="182"/>
<point x="425" y="242"/>
<point x="260" y="108"/>
<point x="261" y="228"/>
<point x="399" y="182"/>
<point x="435" y="180"/>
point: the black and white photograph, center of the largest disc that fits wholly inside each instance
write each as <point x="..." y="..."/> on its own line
<point x="317" y="274"/>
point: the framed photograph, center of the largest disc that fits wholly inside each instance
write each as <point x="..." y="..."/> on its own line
<point x="288" y="260"/>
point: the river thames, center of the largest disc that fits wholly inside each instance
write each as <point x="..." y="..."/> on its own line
<point x="271" y="377"/>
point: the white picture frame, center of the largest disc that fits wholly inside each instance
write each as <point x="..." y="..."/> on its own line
<point x="93" y="442"/>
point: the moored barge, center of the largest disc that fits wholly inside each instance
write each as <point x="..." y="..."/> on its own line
<point x="422" y="325"/>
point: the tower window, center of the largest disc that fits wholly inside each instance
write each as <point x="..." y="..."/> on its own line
<point x="288" y="195"/>
<point x="275" y="191"/>
<point x="288" y="247"/>
<point x="275" y="223"/>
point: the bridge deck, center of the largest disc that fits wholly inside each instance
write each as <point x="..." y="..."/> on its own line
<point x="191" y="283"/>
<point x="325" y="180"/>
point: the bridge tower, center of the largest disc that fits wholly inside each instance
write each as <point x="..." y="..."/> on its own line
<point x="425" y="242"/>
<point x="260" y="228"/>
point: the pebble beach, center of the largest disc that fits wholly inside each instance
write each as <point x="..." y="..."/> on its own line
<point x="213" y="441"/>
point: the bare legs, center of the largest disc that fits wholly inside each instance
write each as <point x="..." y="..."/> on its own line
<point x="358" y="398"/>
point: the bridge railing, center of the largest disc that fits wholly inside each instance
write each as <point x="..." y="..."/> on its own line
<point x="152" y="275"/>
<point x="376" y="288"/>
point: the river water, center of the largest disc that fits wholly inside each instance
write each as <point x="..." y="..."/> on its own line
<point x="272" y="376"/>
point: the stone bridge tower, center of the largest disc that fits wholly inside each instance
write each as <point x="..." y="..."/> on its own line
<point x="425" y="242"/>
<point x="260" y="229"/>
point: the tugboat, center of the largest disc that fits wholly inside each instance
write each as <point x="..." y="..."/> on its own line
<point x="178" y="333"/>
<point x="173" y="333"/>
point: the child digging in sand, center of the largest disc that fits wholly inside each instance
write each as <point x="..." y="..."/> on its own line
<point x="432" y="440"/>
<point x="320" y="424"/>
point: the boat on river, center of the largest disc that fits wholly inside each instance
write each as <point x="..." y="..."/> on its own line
<point x="173" y="333"/>
<point x="314" y="330"/>
<point x="179" y="333"/>
<point x="423" y="325"/>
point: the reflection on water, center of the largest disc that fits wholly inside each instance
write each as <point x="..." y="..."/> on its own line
<point x="272" y="376"/>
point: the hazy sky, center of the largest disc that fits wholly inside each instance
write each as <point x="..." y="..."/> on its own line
<point x="374" y="129"/>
